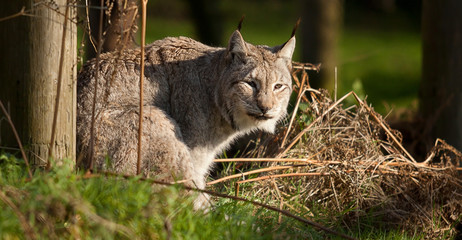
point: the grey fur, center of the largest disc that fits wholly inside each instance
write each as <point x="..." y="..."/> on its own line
<point x="197" y="100"/>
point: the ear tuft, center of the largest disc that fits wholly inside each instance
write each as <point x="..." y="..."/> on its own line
<point x="295" y="27"/>
<point x="240" y="23"/>
<point x="237" y="46"/>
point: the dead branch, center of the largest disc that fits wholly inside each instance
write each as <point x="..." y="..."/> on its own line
<point x="93" y="107"/>
<point x="140" y="124"/>
<point x="28" y="231"/>
<point x="221" y="195"/>
<point x="18" y="14"/>
<point x="23" y="153"/>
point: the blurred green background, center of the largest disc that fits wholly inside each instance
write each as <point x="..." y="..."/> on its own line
<point x="378" y="44"/>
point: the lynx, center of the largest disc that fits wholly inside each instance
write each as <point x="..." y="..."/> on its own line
<point x="197" y="100"/>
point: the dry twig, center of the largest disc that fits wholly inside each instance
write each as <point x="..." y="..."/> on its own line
<point x="358" y="161"/>
<point x="140" y="123"/>
<point x="221" y="195"/>
<point x="28" y="231"/>
<point x="93" y="107"/>
<point x="21" y="148"/>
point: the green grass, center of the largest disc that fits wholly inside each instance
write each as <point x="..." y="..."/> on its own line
<point x="385" y="65"/>
<point x="63" y="204"/>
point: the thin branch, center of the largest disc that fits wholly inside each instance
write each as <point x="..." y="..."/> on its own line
<point x="253" y="172"/>
<point x="298" y="160"/>
<point x="58" y="91"/>
<point x="90" y="37"/>
<point x="335" y="83"/>
<point x="384" y="127"/>
<point x="284" y="175"/>
<point x="295" y="140"/>
<point x="310" y="161"/>
<point x="301" y="93"/>
<point x="18" y="14"/>
<point x="28" y="231"/>
<point x="221" y="195"/>
<point x="82" y="207"/>
<point x="95" y="92"/>
<point x="306" y="66"/>
<point x="16" y="135"/>
<point x="140" y="124"/>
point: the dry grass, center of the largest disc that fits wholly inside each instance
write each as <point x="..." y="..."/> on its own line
<point x="349" y="161"/>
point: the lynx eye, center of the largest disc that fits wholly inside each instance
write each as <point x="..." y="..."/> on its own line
<point x="252" y="84"/>
<point x="277" y="86"/>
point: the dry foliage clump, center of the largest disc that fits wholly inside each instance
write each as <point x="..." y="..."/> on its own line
<point x="349" y="161"/>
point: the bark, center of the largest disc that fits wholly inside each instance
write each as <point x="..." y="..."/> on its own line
<point x="441" y="87"/>
<point x="119" y="25"/>
<point x="28" y="75"/>
<point x="321" y="24"/>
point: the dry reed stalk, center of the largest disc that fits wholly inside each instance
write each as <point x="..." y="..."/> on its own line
<point x="383" y="167"/>
<point x="281" y="200"/>
<point x="261" y="170"/>
<point x="301" y="93"/>
<point x="295" y="140"/>
<point x="140" y="123"/>
<point x="368" y="168"/>
<point x="283" y="176"/>
<point x="384" y="126"/>
<point x="301" y="160"/>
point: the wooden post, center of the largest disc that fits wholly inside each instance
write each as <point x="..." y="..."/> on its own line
<point x="31" y="47"/>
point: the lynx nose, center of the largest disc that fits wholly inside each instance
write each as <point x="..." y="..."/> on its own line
<point x="264" y="103"/>
<point x="264" y="106"/>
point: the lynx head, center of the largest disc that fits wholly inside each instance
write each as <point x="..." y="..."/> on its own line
<point x="255" y="84"/>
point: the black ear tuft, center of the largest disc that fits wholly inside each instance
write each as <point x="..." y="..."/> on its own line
<point x="240" y="23"/>
<point x="295" y="27"/>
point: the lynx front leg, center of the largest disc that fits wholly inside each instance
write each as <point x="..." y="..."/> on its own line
<point x="165" y="156"/>
<point x="165" y="150"/>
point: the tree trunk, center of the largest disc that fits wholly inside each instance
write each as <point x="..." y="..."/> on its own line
<point x="207" y="16"/>
<point x="30" y="58"/>
<point x="321" y="23"/>
<point x="119" y="25"/>
<point x="441" y="87"/>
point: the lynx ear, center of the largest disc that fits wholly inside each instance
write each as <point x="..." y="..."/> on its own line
<point x="287" y="50"/>
<point x="236" y="46"/>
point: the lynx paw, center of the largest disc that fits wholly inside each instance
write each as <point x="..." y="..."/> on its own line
<point x="202" y="202"/>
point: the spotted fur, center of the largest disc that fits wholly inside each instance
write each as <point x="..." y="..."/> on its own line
<point x="197" y="100"/>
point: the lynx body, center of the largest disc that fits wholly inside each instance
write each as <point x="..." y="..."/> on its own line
<point x="197" y="100"/>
